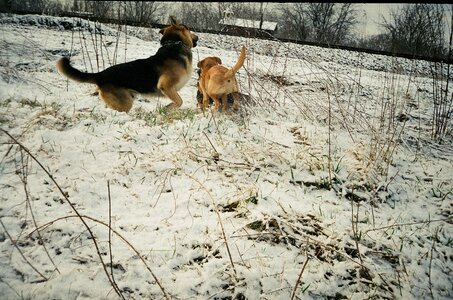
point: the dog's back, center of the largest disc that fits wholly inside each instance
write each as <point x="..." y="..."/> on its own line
<point x="139" y="75"/>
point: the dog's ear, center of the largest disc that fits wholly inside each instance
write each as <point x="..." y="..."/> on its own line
<point x="218" y="60"/>
<point x="173" y="20"/>
<point x="162" y="31"/>
<point x="200" y="63"/>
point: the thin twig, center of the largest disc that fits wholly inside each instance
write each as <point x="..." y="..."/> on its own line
<point x="355" y="229"/>
<point x="82" y="44"/>
<point x="293" y="294"/>
<point x="70" y="52"/>
<point x="70" y="204"/>
<point x="42" y="227"/>
<point x="433" y="248"/>
<point x="23" y="177"/>
<point x="110" y="235"/>
<point x="162" y="189"/>
<point x="216" y="209"/>
<point x="21" y="253"/>
<point x="210" y="142"/>
<point x="216" y="126"/>
<point x="408" y="224"/>
<point x="9" y="285"/>
<point x="329" y="160"/>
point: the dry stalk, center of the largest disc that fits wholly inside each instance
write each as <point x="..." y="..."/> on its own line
<point x="253" y="83"/>
<point x="95" y="45"/>
<point x="44" y="226"/>
<point x="329" y="141"/>
<point x="230" y="164"/>
<point x="319" y="243"/>
<point x="344" y="114"/>
<point x="442" y="101"/>
<point x="293" y="294"/>
<point x="387" y="132"/>
<point x="12" y="288"/>
<point x="83" y="43"/>
<point x="23" y="174"/>
<point x="215" y="150"/>
<point x="117" y="290"/>
<point x="110" y="235"/>
<point x="100" y="45"/>
<point x="308" y="237"/>
<point x="174" y="199"/>
<point x="44" y="278"/>
<point x="163" y="187"/>
<point x="218" y="216"/>
<point x="433" y="248"/>
<point x="217" y="127"/>
<point x="355" y="229"/>
<point x="408" y="224"/>
<point x="70" y="53"/>
<point x="115" y="52"/>
<point x="125" y="42"/>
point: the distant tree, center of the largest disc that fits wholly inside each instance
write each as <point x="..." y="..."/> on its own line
<point x="379" y="42"/>
<point x="141" y="12"/>
<point x="331" y="22"/>
<point x="320" y="22"/>
<point x="199" y="15"/>
<point x="6" y="5"/>
<point x="99" y="9"/>
<point x="417" y="29"/>
<point x="296" y="25"/>
<point x="36" y="6"/>
<point x="76" y="6"/>
<point x="243" y="10"/>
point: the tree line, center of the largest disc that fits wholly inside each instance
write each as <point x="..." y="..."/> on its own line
<point x="418" y="29"/>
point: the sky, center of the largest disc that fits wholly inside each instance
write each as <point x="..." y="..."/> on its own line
<point x="371" y="14"/>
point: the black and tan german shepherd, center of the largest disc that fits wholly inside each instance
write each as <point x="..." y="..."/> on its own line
<point x="161" y="74"/>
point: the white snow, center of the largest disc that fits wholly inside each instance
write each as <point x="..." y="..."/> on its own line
<point x="265" y="25"/>
<point x="188" y="189"/>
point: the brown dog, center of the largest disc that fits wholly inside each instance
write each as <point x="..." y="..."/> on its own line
<point x="161" y="74"/>
<point x="217" y="81"/>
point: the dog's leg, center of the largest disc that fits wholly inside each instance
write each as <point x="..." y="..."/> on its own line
<point x="224" y="98"/>
<point x="217" y="101"/>
<point x="169" y="91"/>
<point x="199" y="99"/>
<point x="205" y="102"/>
<point x="174" y="96"/>
<point x="236" y="99"/>
<point x="116" y="98"/>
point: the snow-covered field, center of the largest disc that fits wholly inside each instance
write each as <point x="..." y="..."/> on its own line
<point x="326" y="184"/>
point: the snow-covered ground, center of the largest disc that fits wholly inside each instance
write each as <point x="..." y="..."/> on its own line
<point x="326" y="185"/>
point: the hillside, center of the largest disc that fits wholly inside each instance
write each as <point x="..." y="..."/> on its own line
<point x="326" y="184"/>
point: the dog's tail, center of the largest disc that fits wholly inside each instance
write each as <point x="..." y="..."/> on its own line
<point x="65" y="68"/>
<point x="238" y="65"/>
